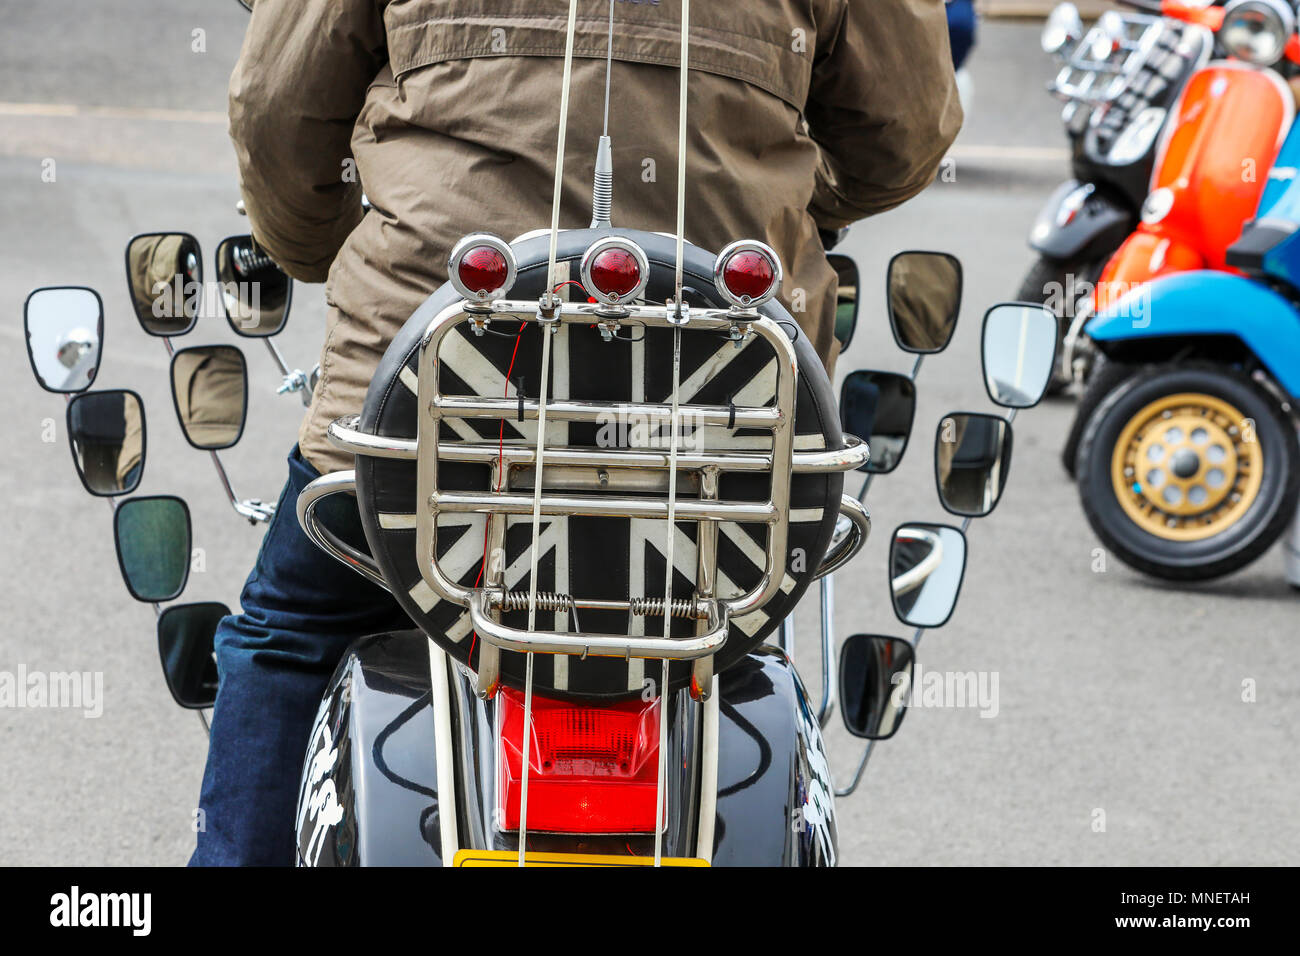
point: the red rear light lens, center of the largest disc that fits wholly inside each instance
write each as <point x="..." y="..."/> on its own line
<point x="748" y="275"/>
<point x="593" y="768"/>
<point x="483" y="269"/>
<point x="615" y="272"/>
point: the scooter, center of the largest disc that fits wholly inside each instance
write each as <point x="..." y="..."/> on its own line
<point x="1189" y="467"/>
<point x="687" y="483"/>
<point x="1214" y="162"/>
<point x="1118" y="81"/>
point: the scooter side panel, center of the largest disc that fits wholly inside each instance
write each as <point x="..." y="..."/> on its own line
<point x="1208" y="304"/>
<point x="776" y="804"/>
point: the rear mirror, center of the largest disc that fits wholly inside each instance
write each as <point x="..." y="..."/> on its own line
<point x="924" y="290"/>
<point x="185" y="644"/>
<point x="879" y="407"/>
<point x="210" y="394"/>
<point x="255" y="292"/>
<point x="972" y="457"/>
<point x="875" y="683"/>
<point x="926" y="566"/>
<point x="846" y="297"/>
<point x="1018" y="350"/>
<point x="153" y="546"/>
<point x="164" y="271"/>
<point x="106" y="431"/>
<point x="64" y="328"/>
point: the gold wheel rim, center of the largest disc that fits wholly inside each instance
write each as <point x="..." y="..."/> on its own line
<point x="1187" y="467"/>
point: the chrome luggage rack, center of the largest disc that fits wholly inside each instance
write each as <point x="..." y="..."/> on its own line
<point x="1091" y="80"/>
<point x="621" y="472"/>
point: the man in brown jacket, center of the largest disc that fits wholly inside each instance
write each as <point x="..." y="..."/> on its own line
<point x="804" y="115"/>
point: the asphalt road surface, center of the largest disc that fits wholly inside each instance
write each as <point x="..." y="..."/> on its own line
<point x="1120" y="735"/>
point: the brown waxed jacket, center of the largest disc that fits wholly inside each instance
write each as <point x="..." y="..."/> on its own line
<point x="801" y="114"/>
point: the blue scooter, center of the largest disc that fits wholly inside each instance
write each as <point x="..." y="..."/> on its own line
<point x="1189" y="468"/>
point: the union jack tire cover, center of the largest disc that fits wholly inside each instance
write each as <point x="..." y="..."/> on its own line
<point x="586" y="556"/>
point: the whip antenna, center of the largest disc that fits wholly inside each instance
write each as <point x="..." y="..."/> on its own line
<point x="602" y="190"/>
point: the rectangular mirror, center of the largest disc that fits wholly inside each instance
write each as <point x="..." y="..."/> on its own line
<point x="926" y="566"/>
<point x="152" y="535"/>
<point x="875" y="683"/>
<point x="972" y="458"/>
<point x="64" y="328"/>
<point x="924" y="292"/>
<point x="186" y="634"/>
<point x="880" y="408"/>
<point x="1018" y="351"/>
<point x="255" y="292"/>
<point x="106" y="431"/>
<point x="164" y="272"/>
<point x="210" y="394"/>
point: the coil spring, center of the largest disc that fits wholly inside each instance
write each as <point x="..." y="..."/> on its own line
<point x="551" y="601"/>
<point x="546" y="601"/>
<point x="654" y="607"/>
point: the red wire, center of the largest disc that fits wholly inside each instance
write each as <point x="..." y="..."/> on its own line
<point x="501" y="450"/>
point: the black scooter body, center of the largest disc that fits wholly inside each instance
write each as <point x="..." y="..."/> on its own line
<point x="370" y="789"/>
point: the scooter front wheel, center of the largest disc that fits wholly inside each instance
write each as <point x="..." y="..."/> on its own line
<point x="1188" y="471"/>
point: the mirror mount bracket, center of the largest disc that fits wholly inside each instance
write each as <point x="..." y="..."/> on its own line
<point x="255" y="510"/>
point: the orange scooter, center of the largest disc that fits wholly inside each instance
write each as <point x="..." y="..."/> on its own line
<point x="1213" y="163"/>
<point x="1214" y="158"/>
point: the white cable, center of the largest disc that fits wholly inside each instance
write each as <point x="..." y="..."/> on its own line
<point x="681" y="150"/>
<point x="541" y="418"/>
<point x="672" y="439"/>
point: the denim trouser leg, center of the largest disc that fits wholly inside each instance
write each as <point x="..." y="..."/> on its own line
<point x="301" y="610"/>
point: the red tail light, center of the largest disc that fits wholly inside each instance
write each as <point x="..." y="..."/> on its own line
<point x="481" y="267"/>
<point x="747" y="273"/>
<point x="592" y="767"/>
<point x="614" y="271"/>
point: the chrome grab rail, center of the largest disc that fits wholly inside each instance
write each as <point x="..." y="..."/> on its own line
<point x="486" y="603"/>
<point x="1100" y="81"/>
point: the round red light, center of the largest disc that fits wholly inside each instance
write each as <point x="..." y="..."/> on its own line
<point x="615" y="272"/>
<point x="483" y="269"/>
<point x="748" y="274"/>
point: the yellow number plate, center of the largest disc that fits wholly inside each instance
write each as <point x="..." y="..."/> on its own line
<point x="511" y="858"/>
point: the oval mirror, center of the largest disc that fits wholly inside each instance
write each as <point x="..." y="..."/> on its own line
<point x="106" y="431"/>
<point x="255" y="292"/>
<point x="880" y="408"/>
<point x="152" y="535"/>
<point x="64" y="328"/>
<point x="210" y="395"/>
<point x="164" y="271"/>
<point x="185" y="644"/>
<point x="972" y="458"/>
<point x="926" y="565"/>
<point x="875" y="684"/>
<point x="1018" y="347"/>
<point x="924" y="291"/>
<point x="846" y="297"/>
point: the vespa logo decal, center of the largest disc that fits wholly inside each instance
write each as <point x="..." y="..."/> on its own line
<point x="318" y="802"/>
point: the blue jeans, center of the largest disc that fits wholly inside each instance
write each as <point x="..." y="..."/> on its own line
<point x="301" y="611"/>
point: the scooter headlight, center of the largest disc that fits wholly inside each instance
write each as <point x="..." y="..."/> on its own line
<point x="1257" y="31"/>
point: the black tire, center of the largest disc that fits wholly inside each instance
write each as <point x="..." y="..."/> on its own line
<point x="1047" y="273"/>
<point x="1105" y="378"/>
<point x="1240" y="543"/>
